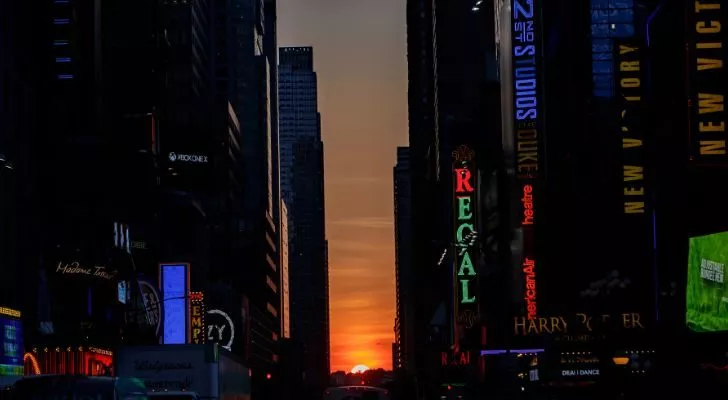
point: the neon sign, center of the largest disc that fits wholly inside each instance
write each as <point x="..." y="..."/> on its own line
<point x="527" y="201"/>
<point x="454" y="358"/>
<point x="197" y="317"/>
<point x="75" y="268"/>
<point x="528" y="136"/>
<point x="525" y="88"/>
<point x="465" y="205"/>
<point x="529" y="275"/>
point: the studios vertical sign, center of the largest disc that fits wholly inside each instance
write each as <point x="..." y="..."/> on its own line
<point x="465" y="273"/>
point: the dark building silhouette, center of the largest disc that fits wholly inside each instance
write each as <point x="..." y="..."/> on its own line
<point x="302" y="188"/>
<point x="243" y="65"/>
<point x="403" y="350"/>
<point x="453" y="101"/>
<point x="425" y="151"/>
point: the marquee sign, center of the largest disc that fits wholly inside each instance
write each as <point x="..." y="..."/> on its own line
<point x="197" y="318"/>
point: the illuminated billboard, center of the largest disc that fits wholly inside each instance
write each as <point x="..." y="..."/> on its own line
<point x="528" y="143"/>
<point x="11" y="352"/>
<point x="465" y="276"/>
<point x="707" y="82"/>
<point x="175" y="282"/>
<point x="707" y="293"/>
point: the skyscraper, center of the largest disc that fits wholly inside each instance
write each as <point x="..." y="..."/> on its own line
<point x="244" y="75"/>
<point x="404" y="328"/>
<point x="302" y="187"/>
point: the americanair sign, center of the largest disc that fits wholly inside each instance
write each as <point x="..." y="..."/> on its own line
<point x="189" y="158"/>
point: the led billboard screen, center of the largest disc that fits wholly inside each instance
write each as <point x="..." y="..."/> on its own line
<point x="707" y="293"/>
<point x="174" y="279"/>
<point x="11" y="353"/>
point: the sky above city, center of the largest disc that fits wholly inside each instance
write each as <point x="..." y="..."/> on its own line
<point x="360" y="57"/>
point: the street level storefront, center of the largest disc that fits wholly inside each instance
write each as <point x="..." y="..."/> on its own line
<point x="78" y="360"/>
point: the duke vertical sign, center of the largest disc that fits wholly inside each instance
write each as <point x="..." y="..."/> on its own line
<point x="466" y="253"/>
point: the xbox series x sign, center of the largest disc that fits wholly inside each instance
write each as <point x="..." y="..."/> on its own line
<point x="187" y="158"/>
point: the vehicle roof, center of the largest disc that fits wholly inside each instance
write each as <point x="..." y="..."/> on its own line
<point x="171" y="393"/>
<point x="356" y="387"/>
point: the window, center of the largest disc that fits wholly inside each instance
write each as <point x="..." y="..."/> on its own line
<point x="609" y="19"/>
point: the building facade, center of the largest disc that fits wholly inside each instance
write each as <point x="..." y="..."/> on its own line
<point x="404" y="327"/>
<point x="302" y="188"/>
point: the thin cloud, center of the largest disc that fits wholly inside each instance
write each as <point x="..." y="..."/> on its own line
<point x="365" y="222"/>
<point x="351" y="246"/>
<point x="360" y="180"/>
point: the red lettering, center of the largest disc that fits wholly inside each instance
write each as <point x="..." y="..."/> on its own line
<point x="443" y="358"/>
<point x="462" y="179"/>
<point x="529" y="276"/>
<point x="528" y="209"/>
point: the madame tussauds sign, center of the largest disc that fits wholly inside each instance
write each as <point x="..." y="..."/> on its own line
<point x="75" y="268"/>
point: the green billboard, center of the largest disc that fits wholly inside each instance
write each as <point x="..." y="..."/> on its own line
<point x="707" y="292"/>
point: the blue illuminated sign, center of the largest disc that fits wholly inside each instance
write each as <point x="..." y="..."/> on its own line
<point x="526" y="87"/>
<point x="524" y="59"/>
<point x="11" y="352"/>
<point x="175" y="285"/>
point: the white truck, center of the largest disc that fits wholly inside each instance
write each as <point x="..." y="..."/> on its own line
<point x="203" y="371"/>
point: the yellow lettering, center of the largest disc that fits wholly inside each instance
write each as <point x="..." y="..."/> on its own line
<point x="633" y="173"/>
<point x="543" y="325"/>
<point x="634" y="207"/>
<point x="710" y="127"/>
<point x="632" y="191"/>
<point x="710" y="103"/>
<point x="624" y="49"/>
<point x="699" y="6"/>
<point x="628" y="143"/>
<point x="630" y="83"/>
<point x="710" y="27"/>
<point x="629" y="66"/>
<point x="712" y="147"/>
<point x="709" y="63"/>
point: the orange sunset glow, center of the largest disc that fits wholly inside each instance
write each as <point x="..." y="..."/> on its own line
<point x="362" y="89"/>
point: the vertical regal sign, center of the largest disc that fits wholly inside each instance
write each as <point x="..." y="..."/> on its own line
<point x="466" y="303"/>
<point x="197" y="318"/>
<point x="707" y="81"/>
<point x="528" y="134"/>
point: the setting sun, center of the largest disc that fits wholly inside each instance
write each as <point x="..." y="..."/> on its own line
<point x="358" y="369"/>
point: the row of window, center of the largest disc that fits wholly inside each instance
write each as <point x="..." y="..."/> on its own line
<point x="610" y="19"/>
<point x="61" y="46"/>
